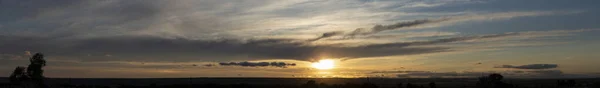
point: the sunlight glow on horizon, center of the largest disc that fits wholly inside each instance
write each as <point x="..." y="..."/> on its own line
<point x="324" y="64"/>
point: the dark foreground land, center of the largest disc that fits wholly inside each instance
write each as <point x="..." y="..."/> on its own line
<point x="299" y="83"/>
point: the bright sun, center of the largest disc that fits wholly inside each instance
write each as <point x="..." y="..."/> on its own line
<point x="324" y="64"/>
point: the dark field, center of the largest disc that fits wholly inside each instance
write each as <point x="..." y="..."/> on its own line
<point x="295" y="82"/>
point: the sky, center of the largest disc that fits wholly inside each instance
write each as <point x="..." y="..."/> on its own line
<point x="303" y="38"/>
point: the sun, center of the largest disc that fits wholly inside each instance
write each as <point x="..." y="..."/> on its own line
<point x="324" y="64"/>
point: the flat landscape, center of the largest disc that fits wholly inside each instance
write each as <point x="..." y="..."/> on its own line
<point x="380" y="82"/>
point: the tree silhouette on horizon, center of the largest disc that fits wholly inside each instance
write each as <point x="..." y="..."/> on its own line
<point x="33" y="75"/>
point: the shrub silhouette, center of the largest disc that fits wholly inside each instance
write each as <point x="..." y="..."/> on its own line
<point x="33" y="75"/>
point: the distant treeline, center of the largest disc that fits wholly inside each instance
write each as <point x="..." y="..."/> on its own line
<point x="314" y="84"/>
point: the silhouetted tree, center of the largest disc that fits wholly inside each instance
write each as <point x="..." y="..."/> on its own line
<point x="35" y="67"/>
<point x="18" y="75"/>
<point x="33" y="76"/>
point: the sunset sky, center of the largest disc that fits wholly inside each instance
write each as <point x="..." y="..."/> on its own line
<point x="303" y="38"/>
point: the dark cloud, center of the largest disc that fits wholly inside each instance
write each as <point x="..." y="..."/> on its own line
<point x="379" y="28"/>
<point x="56" y="24"/>
<point x="431" y="22"/>
<point x="31" y="8"/>
<point x="162" y="49"/>
<point x="258" y="64"/>
<point x="181" y="49"/>
<point x="209" y="65"/>
<point x="547" y="72"/>
<point x="439" y="41"/>
<point x="63" y="21"/>
<point x="78" y="18"/>
<point x="118" y="11"/>
<point x="327" y="35"/>
<point x="530" y="66"/>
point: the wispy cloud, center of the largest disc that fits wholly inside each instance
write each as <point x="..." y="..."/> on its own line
<point x="197" y="19"/>
<point x="258" y="64"/>
<point x="124" y="47"/>
<point x="530" y="66"/>
<point x="436" y="22"/>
